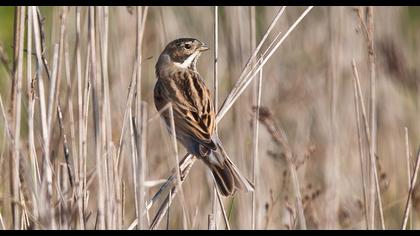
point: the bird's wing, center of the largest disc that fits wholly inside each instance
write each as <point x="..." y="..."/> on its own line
<point x="192" y="106"/>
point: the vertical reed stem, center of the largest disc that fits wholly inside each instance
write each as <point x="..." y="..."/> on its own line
<point x="14" y="111"/>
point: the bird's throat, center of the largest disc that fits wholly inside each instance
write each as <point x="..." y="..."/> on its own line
<point x="190" y="62"/>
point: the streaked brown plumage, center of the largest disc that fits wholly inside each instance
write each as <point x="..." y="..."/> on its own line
<point x="179" y="83"/>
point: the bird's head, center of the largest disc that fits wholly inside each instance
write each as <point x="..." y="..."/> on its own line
<point x="184" y="52"/>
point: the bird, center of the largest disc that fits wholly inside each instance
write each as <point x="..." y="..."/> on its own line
<point x="179" y="83"/>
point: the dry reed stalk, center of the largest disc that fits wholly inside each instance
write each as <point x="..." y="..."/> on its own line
<point x="46" y="210"/>
<point x="34" y="168"/>
<point x="140" y="23"/>
<point x="2" y="227"/>
<point x="63" y="55"/>
<point x="97" y="118"/>
<point x="87" y="92"/>
<point x="70" y="106"/>
<point x="407" y="155"/>
<point x="24" y="224"/>
<point x="15" y="110"/>
<point x="369" y="35"/>
<point x="79" y="179"/>
<point x="211" y="224"/>
<point x="102" y="27"/>
<point x="373" y="109"/>
<point x="73" y="168"/>
<point x="129" y="100"/>
<point x="7" y="133"/>
<point x="142" y="167"/>
<point x="360" y="142"/>
<point x="216" y="58"/>
<point x="134" y="160"/>
<point x="63" y="190"/>
<point x="225" y="218"/>
<point x="368" y="138"/>
<point x="257" y="97"/>
<point x="84" y="113"/>
<point x="410" y="192"/>
<point x="214" y="212"/>
<point x="128" y="111"/>
<point x="255" y="148"/>
<point x="138" y="142"/>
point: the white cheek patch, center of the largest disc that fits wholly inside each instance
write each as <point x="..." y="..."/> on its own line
<point x="188" y="61"/>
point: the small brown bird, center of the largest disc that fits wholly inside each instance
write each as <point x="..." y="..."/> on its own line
<point x="179" y="83"/>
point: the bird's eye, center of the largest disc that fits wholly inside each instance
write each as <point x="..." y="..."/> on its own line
<point x="187" y="46"/>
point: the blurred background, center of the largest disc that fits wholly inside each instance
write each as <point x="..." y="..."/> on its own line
<point x="307" y="87"/>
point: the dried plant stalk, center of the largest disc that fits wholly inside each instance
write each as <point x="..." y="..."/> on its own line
<point x="410" y="192"/>
<point x="360" y="142"/>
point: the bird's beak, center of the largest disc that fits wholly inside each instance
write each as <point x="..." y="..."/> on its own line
<point x="203" y="48"/>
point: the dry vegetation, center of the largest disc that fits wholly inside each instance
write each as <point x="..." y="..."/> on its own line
<point x="318" y="106"/>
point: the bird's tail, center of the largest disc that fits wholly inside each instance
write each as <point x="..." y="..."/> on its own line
<point x="226" y="175"/>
